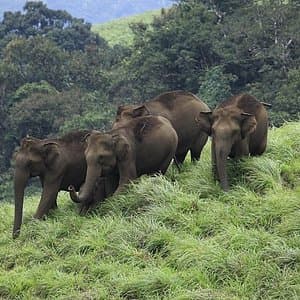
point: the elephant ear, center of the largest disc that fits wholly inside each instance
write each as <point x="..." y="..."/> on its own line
<point x="50" y="152"/>
<point x="140" y="111"/>
<point x="120" y="109"/>
<point x="87" y="137"/>
<point x="27" y="142"/>
<point x="248" y="124"/>
<point x="122" y="148"/>
<point x="204" y="121"/>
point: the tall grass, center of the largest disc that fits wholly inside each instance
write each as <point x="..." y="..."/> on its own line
<point x="177" y="236"/>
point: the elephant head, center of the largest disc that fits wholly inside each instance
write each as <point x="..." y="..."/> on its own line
<point x="31" y="160"/>
<point x="103" y="153"/>
<point x="229" y="128"/>
<point x="126" y="113"/>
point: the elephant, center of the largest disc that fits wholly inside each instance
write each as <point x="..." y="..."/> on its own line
<point x="144" y="145"/>
<point x="104" y="185"/>
<point x="238" y="127"/>
<point x="180" y="108"/>
<point x="57" y="162"/>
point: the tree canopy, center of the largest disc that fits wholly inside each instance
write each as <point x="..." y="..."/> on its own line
<point x="57" y="75"/>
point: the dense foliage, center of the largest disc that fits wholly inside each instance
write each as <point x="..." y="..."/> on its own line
<point x="219" y="49"/>
<point x="57" y="75"/>
<point x="177" y="236"/>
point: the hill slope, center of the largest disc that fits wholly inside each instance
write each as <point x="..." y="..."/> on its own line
<point x="173" y="237"/>
<point x="119" y="32"/>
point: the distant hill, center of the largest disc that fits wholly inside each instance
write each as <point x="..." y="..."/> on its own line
<point x="118" y="31"/>
<point x="93" y="11"/>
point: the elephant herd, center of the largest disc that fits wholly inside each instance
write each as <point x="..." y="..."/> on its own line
<point x="144" y="139"/>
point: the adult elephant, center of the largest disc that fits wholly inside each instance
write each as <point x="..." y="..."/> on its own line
<point x="57" y="162"/>
<point x="180" y="108"/>
<point x="145" y="145"/>
<point x="239" y="127"/>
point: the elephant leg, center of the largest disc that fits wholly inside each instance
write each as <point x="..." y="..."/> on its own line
<point x="241" y="149"/>
<point x="262" y="148"/>
<point x="54" y="206"/>
<point x="165" y="164"/>
<point x="48" y="199"/>
<point x="111" y="184"/>
<point x="127" y="171"/>
<point x="99" y="193"/>
<point x="178" y="166"/>
<point x="197" y="147"/>
<point x="258" y="149"/>
<point x="180" y="157"/>
<point x="83" y="209"/>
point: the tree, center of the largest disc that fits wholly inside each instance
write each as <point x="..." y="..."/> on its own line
<point x="173" y="51"/>
<point x="35" y="59"/>
<point x="287" y="101"/>
<point x="67" y="32"/>
<point x="41" y="111"/>
<point x="260" y="38"/>
<point x="215" y="86"/>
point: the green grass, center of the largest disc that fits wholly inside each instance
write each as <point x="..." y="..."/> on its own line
<point x="119" y="32"/>
<point x="174" y="237"/>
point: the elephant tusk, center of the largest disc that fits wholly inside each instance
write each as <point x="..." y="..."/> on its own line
<point x="246" y="114"/>
<point x="266" y="104"/>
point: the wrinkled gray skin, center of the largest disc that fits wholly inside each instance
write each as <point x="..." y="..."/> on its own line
<point x="145" y="145"/>
<point x="238" y="127"/>
<point x="180" y="108"/>
<point x="57" y="162"/>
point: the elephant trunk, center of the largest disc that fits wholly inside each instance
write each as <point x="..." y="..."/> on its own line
<point x="20" y="180"/>
<point x="85" y="193"/>
<point x="221" y="154"/>
<point x="73" y="194"/>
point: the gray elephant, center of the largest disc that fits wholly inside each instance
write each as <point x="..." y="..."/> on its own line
<point x="238" y="127"/>
<point x="57" y="162"/>
<point x="180" y="108"/>
<point x="145" y="145"/>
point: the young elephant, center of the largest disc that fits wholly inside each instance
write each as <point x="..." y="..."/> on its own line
<point x="239" y="127"/>
<point x="57" y="162"/>
<point x="145" y="145"/>
<point x="180" y="108"/>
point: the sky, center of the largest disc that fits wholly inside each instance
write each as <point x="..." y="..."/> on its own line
<point x="93" y="11"/>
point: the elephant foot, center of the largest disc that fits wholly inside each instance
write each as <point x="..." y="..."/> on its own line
<point x="83" y="210"/>
<point x="177" y="164"/>
<point x="16" y="234"/>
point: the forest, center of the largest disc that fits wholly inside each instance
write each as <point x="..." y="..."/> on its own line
<point x="57" y="75"/>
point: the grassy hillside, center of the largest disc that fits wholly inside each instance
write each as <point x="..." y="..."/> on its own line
<point x="118" y="31"/>
<point x="173" y="237"/>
